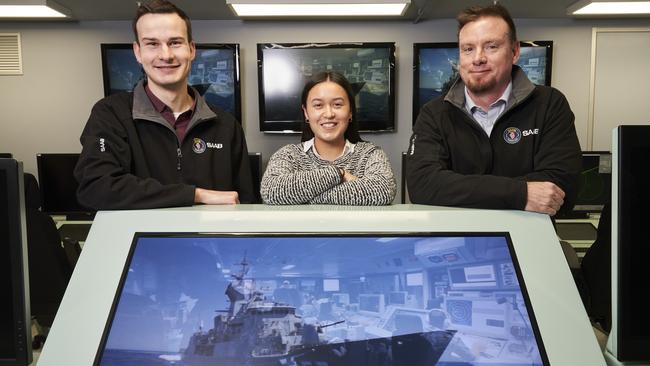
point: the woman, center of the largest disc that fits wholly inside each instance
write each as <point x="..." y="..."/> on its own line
<point x="332" y="165"/>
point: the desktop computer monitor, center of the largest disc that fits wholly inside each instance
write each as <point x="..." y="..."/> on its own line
<point x="59" y="187"/>
<point x="15" y="325"/>
<point x="595" y="185"/>
<point x="397" y="297"/>
<point x="630" y="333"/>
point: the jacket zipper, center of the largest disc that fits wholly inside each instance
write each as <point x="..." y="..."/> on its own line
<point x="179" y="155"/>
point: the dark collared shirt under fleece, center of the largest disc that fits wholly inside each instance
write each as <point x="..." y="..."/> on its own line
<point x="179" y="124"/>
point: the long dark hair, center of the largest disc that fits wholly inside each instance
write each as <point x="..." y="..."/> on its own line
<point x="352" y="133"/>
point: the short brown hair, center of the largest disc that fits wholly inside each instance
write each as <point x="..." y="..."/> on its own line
<point x="160" y="7"/>
<point x="474" y="13"/>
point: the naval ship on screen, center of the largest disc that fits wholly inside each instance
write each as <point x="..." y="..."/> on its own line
<point x="253" y="331"/>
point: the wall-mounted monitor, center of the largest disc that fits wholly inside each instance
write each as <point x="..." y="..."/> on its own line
<point x="58" y="185"/>
<point x="435" y="68"/>
<point x="630" y="333"/>
<point x="284" y="68"/>
<point x="15" y="325"/>
<point x="214" y="73"/>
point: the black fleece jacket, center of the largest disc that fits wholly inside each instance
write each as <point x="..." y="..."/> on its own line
<point x="132" y="158"/>
<point x="451" y="161"/>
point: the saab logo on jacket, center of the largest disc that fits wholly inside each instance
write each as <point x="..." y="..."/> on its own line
<point x="512" y="135"/>
<point x="199" y="146"/>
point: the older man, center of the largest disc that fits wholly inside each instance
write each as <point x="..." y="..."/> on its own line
<point x="495" y="140"/>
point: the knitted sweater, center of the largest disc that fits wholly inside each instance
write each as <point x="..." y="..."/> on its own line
<point x="295" y="177"/>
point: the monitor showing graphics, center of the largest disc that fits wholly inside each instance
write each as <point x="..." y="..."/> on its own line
<point x="435" y="68"/>
<point x="192" y="299"/>
<point x="214" y="73"/>
<point x="284" y="68"/>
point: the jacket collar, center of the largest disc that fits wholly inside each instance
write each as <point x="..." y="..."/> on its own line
<point x="522" y="87"/>
<point x="144" y="109"/>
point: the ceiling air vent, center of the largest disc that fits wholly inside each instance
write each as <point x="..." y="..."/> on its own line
<point x="10" y="59"/>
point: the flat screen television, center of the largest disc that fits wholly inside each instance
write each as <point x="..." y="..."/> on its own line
<point x="214" y="73"/>
<point x="283" y="69"/>
<point x="630" y="333"/>
<point x="195" y="299"/>
<point x="15" y="325"/>
<point x="59" y="187"/>
<point x="435" y="68"/>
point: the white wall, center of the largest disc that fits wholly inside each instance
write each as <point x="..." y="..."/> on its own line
<point x="45" y="109"/>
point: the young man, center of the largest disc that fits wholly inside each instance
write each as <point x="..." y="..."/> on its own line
<point x="495" y="140"/>
<point x="162" y="145"/>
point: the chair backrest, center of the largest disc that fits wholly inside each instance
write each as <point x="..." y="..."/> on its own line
<point x="256" y="173"/>
<point x="49" y="269"/>
<point x="597" y="271"/>
<point x="407" y="324"/>
<point x="404" y="192"/>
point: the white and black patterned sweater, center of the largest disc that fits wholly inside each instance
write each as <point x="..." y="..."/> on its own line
<point x="295" y="177"/>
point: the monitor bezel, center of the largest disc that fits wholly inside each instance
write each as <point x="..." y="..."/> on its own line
<point x="138" y="235"/>
<point x="418" y="47"/>
<point x="237" y="113"/>
<point x="295" y="126"/>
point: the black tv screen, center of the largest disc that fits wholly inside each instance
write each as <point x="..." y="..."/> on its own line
<point x="214" y="73"/>
<point x="435" y="68"/>
<point x="284" y="68"/>
<point x="58" y="185"/>
<point x="267" y="299"/>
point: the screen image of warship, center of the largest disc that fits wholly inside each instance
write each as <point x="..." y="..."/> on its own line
<point x="253" y="331"/>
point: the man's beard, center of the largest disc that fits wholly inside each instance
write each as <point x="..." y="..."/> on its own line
<point x="480" y="86"/>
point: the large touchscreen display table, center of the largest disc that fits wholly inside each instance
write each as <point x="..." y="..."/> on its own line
<point x="303" y="286"/>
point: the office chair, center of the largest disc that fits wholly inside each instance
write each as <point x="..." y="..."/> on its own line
<point x="49" y="269"/>
<point x="256" y="173"/>
<point x="597" y="270"/>
<point x="408" y="345"/>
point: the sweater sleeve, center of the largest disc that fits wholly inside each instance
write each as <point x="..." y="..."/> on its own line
<point x="431" y="180"/>
<point x="375" y="187"/>
<point x="286" y="182"/>
<point x="104" y="170"/>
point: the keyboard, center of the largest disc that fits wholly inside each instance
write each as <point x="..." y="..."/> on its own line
<point x="77" y="232"/>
